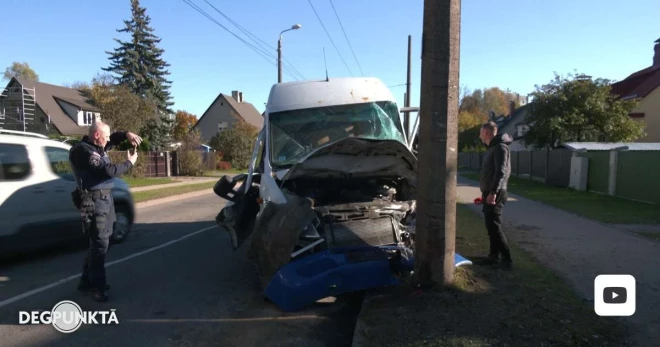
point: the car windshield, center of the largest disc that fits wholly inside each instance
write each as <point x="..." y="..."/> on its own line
<point x="294" y="134"/>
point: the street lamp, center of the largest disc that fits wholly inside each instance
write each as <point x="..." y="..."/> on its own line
<point x="279" y="51"/>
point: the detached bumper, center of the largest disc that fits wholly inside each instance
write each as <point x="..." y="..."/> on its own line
<point x="339" y="271"/>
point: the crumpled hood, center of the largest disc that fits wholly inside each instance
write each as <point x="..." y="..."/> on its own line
<point x="358" y="157"/>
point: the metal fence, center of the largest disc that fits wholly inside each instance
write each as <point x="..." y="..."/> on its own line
<point x="550" y="166"/>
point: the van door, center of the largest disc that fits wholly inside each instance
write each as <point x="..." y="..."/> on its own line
<point x="239" y="214"/>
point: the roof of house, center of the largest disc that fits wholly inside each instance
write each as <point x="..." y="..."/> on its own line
<point x="245" y="110"/>
<point x="608" y="146"/>
<point x="516" y="117"/>
<point x="639" y="84"/>
<point x="46" y="95"/>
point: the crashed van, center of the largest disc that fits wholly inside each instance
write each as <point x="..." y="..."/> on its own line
<point x="328" y="202"/>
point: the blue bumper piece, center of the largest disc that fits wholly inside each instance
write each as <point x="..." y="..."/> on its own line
<point x="339" y="271"/>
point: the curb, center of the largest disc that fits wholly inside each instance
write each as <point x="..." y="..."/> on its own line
<point x="153" y="202"/>
<point x="169" y="185"/>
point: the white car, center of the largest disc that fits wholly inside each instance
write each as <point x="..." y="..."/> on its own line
<point x="36" y="209"/>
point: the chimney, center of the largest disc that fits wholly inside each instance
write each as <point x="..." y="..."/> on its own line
<point x="512" y="107"/>
<point x="238" y="96"/>
<point x="656" y="56"/>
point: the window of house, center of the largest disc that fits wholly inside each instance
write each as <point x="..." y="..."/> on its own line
<point x="59" y="162"/>
<point x="14" y="162"/>
<point x="88" y="118"/>
<point x="222" y="126"/>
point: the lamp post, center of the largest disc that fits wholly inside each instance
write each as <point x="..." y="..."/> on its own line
<point x="279" y="51"/>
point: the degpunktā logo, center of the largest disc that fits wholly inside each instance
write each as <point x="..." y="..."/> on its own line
<point x="67" y="316"/>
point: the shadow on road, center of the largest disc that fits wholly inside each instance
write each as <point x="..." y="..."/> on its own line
<point x="172" y="284"/>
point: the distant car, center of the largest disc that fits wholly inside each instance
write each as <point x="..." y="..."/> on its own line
<point x="36" y="181"/>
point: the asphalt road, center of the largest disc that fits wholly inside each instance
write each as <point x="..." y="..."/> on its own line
<point x="175" y="282"/>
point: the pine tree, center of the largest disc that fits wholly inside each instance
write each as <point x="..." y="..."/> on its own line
<point x="138" y="65"/>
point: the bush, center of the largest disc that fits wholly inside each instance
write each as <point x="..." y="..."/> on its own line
<point x="223" y="165"/>
<point x="138" y="170"/>
<point x="189" y="156"/>
<point x="236" y="144"/>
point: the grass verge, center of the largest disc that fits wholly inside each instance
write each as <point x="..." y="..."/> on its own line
<point x="218" y="173"/>
<point x="146" y="181"/>
<point x="528" y="306"/>
<point x="650" y="234"/>
<point x="603" y="208"/>
<point x="170" y="191"/>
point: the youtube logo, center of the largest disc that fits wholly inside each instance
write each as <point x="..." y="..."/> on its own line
<point x="615" y="295"/>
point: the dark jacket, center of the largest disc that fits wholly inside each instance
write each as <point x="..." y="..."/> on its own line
<point x="496" y="167"/>
<point x="91" y="164"/>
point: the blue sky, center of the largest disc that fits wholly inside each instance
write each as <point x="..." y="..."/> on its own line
<point x="512" y="44"/>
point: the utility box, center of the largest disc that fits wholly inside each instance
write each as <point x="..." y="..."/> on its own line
<point x="579" y="173"/>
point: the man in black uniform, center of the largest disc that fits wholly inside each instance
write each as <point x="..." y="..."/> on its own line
<point x="495" y="172"/>
<point x="94" y="174"/>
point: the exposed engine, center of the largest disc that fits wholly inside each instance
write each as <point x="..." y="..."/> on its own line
<point x="355" y="212"/>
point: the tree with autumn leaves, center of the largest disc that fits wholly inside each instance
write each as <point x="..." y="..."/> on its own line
<point x="183" y="125"/>
<point x="474" y="109"/>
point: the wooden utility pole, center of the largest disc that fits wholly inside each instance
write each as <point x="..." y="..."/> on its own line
<point x="435" y="238"/>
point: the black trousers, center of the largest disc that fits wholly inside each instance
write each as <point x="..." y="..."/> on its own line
<point x="99" y="233"/>
<point x="499" y="246"/>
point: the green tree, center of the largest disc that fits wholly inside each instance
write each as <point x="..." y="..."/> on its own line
<point x="118" y="105"/>
<point x="22" y="71"/>
<point x="236" y="144"/>
<point x="138" y="65"/>
<point x="579" y="108"/>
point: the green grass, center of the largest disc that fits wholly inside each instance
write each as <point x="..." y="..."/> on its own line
<point x="528" y="306"/>
<point x="218" y="173"/>
<point x="603" y="208"/>
<point x="170" y="191"/>
<point x="650" y="234"/>
<point x="146" y="181"/>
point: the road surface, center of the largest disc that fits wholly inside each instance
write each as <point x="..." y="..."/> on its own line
<point x="175" y="282"/>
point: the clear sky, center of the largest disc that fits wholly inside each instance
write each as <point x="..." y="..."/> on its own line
<point x="512" y="44"/>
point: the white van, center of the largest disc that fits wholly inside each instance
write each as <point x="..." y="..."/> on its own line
<point x="331" y="170"/>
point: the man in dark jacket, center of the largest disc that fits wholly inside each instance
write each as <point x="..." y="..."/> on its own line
<point x="495" y="172"/>
<point x="95" y="175"/>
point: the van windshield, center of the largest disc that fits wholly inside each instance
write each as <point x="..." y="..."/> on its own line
<point x="296" y="133"/>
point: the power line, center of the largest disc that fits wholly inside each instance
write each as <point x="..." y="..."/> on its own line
<point x="346" y="36"/>
<point x="261" y="53"/>
<point x="255" y="39"/>
<point x="327" y="33"/>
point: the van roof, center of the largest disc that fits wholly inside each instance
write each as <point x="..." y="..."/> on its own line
<point x="335" y="91"/>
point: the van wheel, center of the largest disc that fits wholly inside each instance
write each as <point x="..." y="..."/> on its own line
<point x="122" y="226"/>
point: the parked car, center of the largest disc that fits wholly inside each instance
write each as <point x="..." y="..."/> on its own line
<point x="329" y="199"/>
<point x="36" y="181"/>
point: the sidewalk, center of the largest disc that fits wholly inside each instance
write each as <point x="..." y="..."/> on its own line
<point x="184" y="181"/>
<point x="579" y="249"/>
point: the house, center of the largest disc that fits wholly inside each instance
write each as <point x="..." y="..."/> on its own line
<point x="45" y="108"/>
<point x="515" y="125"/>
<point x="644" y="84"/>
<point x="224" y="112"/>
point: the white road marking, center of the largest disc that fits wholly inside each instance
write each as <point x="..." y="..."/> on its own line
<point x="107" y="265"/>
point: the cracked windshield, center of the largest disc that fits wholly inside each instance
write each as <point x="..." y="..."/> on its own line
<point x="330" y="173"/>
<point x="295" y="134"/>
